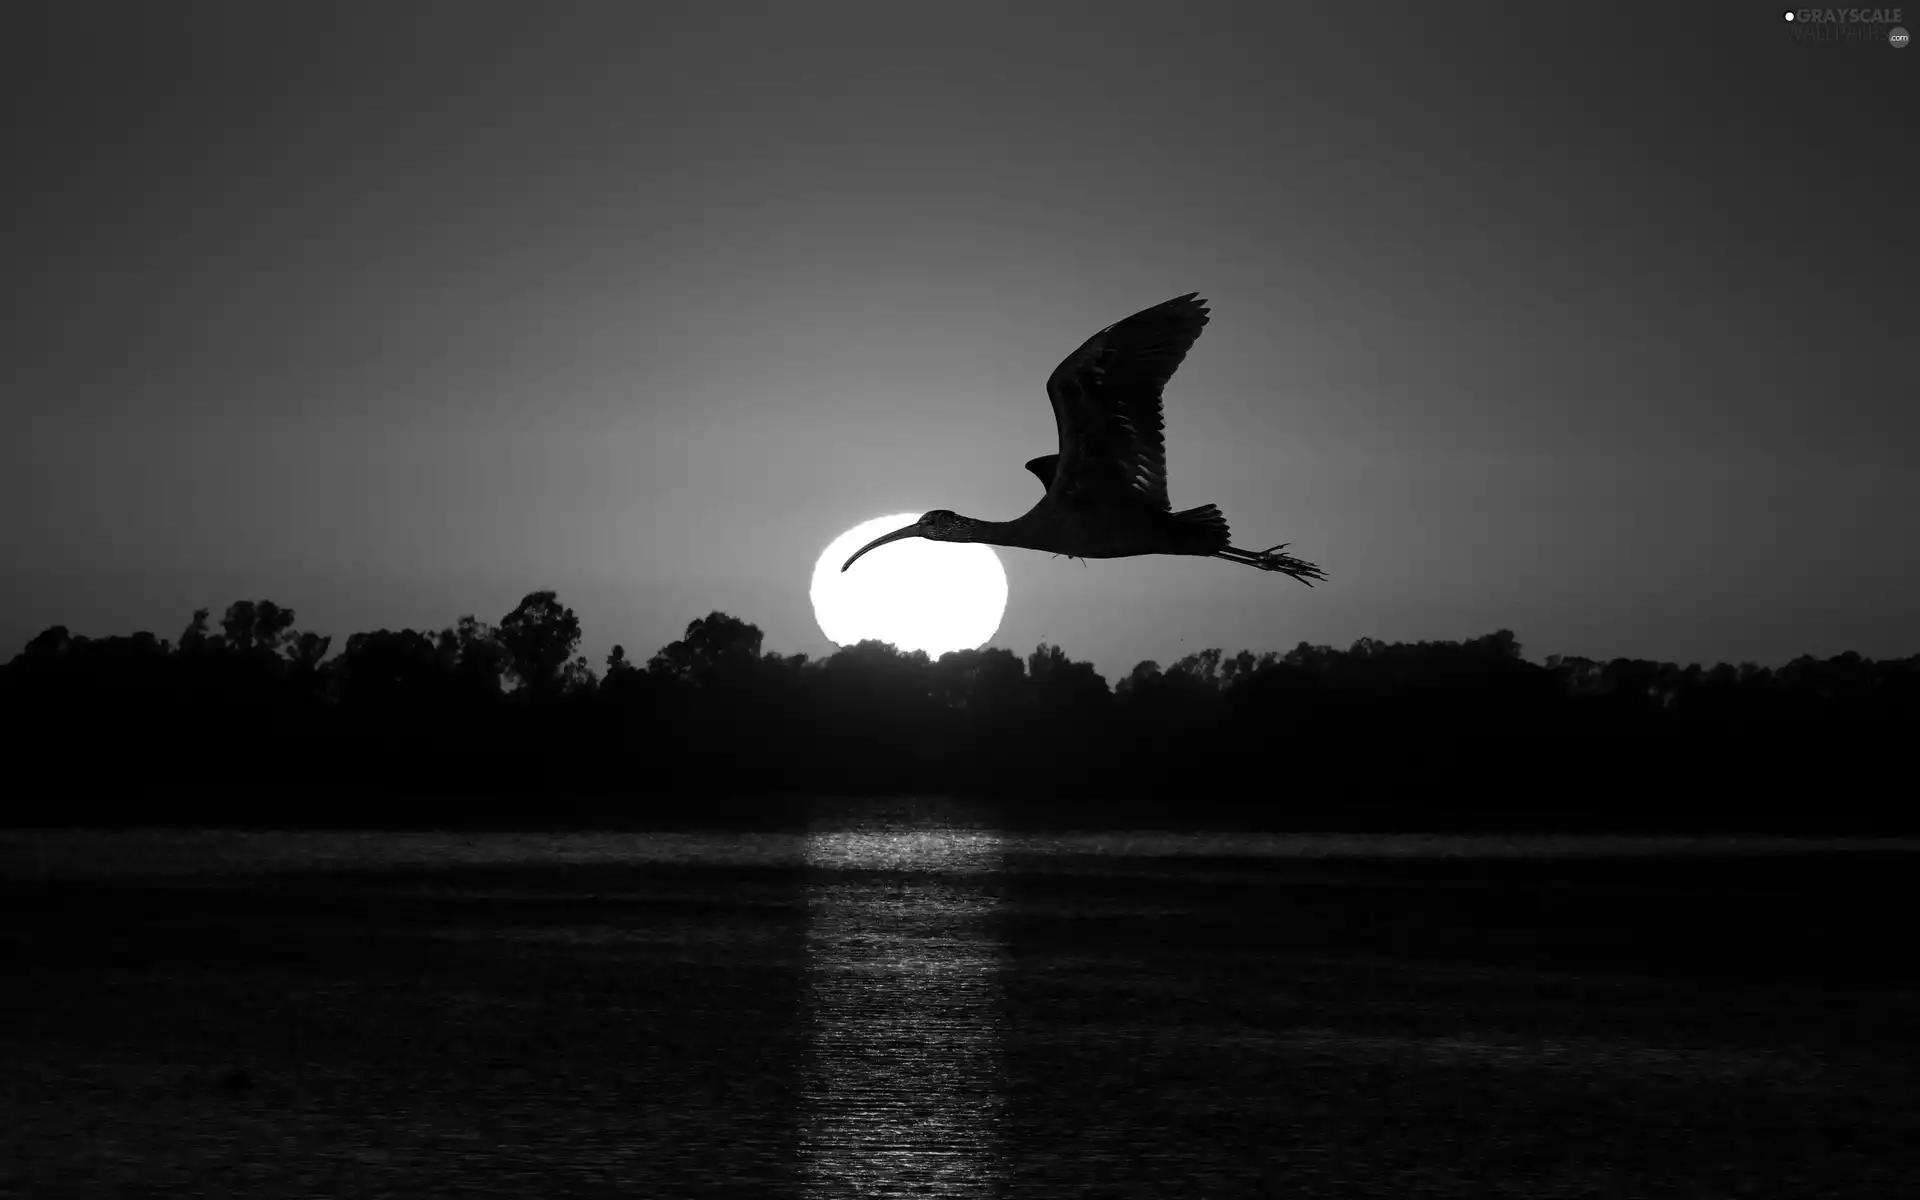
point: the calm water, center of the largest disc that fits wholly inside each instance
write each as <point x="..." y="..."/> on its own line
<point x="901" y="1002"/>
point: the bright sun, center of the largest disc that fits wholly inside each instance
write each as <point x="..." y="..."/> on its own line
<point x="919" y="595"/>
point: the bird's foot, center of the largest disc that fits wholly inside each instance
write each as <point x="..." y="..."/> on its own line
<point x="1271" y="559"/>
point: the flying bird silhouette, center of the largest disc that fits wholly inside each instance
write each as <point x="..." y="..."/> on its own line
<point x="1107" y="487"/>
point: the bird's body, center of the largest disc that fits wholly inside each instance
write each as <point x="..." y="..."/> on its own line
<point x="1097" y="529"/>
<point x="1106" y="491"/>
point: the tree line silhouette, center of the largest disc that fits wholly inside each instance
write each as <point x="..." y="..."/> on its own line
<point x="505" y="723"/>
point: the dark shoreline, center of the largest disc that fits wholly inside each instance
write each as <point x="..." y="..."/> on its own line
<point x="1356" y="808"/>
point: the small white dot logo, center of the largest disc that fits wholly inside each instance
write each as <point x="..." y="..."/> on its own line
<point x="1897" y="38"/>
<point x="1789" y="14"/>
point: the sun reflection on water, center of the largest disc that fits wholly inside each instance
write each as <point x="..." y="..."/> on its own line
<point x="903" y="1089"/>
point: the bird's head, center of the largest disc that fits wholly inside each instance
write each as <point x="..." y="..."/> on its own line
<point x="940" y="525"/>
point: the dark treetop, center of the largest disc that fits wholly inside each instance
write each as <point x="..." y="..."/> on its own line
<point x="255" y="724"/>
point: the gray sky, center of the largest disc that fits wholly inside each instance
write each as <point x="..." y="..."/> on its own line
<point x="1601" y="331"/>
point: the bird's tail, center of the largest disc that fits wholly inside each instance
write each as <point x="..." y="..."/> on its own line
<point x="1205" y="528"/>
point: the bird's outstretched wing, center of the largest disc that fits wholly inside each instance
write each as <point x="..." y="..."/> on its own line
<point x="1106" y="402"/>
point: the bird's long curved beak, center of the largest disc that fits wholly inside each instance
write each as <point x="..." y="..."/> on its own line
<point x="912" y="530"/>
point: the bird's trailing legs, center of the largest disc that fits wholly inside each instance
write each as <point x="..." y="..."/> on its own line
<point x="1271" y="559"/>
